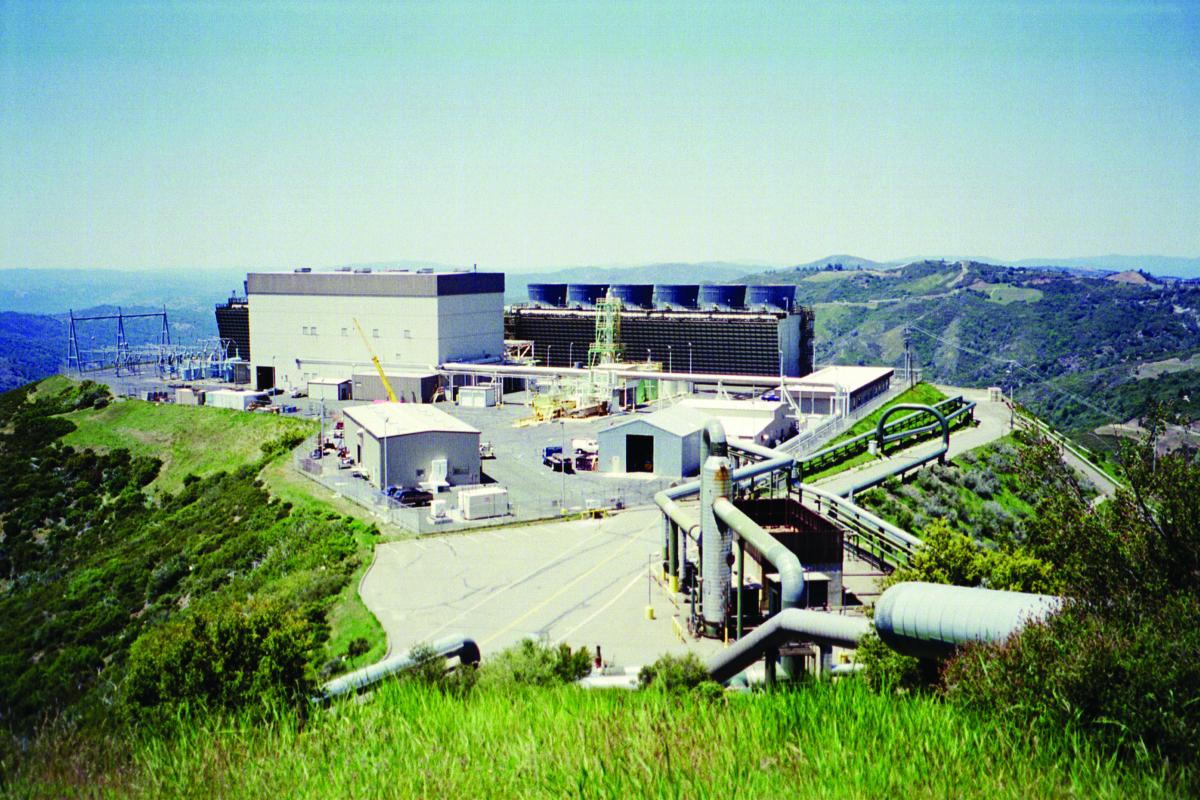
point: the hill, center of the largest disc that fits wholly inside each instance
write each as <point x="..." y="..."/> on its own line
<point x="1068" y="345"/>
<point x="91" y="564"/>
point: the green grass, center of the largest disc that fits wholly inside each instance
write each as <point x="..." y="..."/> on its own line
<point x="188" y="439"/>
<point x="408" y="740"/>
<point x="1004" y="294"/>
<point x="922" y="393"/>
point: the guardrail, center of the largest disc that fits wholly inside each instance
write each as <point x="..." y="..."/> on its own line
<point x="870" y="537"/>
<point x="1079" y="451"/>
<point x="911" y="426"/>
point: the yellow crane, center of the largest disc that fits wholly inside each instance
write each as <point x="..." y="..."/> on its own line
<point x="375" y="360"/>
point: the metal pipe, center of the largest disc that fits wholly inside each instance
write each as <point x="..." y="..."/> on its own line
<point x="716" y="541"/>
<point x="930" y="620"/>
<point x="461" y="647"/>
<point x="640" y="374"/>
<point x="925" y="620"/>
<point x="788" y="625"/>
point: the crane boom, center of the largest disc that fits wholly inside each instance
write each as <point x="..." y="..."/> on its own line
<point x="375" y="360"/>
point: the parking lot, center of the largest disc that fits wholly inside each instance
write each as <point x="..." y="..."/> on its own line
<point x="584" y="582"/>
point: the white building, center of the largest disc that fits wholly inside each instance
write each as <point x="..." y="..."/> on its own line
<point x="413" y="445"/>
<point x="839" y="390"/>
<point x="302" y="324"/>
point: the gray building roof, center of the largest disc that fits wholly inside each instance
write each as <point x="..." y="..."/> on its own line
<point x="375" y="284"/>
<point x="401" y="419"/>
<point x="678" y="420"/>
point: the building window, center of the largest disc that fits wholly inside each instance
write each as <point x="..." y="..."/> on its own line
<point x="375" y="332"/>
<point x="304" y="331"/>
<point x="345" y="332"/>
<point x="407" y="333"/>
<point x="314" y="330"/>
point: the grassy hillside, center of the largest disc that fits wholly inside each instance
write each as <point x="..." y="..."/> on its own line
<point x="92" y="568"/>
<point x="922" y="393"/>
<point x="410" y="740"/>
<point x="189" y="440"/>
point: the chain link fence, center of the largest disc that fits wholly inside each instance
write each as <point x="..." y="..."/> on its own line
<point x="569" y="501"/>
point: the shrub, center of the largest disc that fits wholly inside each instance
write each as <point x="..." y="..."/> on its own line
<point x="536" y="663"/>
<point x="674" y="673"/>
<point x="221" y="657"/>
<point x="1131" y="684"/>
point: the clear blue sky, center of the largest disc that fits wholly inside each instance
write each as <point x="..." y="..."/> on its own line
<point x="525" y="135"/>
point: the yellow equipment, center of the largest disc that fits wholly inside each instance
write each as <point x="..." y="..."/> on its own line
<point x="375" y="360"/>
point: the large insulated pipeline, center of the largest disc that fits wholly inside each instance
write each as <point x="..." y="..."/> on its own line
<point x="459" y="647"/>
<point x="930" y="620"/>
<point x="925" y="620"/>
<point x="716" y="541"/>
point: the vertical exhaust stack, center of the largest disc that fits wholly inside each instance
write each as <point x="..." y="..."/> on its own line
<point x="716" y="540"/>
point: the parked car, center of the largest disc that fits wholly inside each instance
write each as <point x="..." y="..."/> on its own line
<point x="274" y="391"/>
<point x="346" y="463"/>
<point x="317" y="453"/>
<point x="486" y="450"/>
<point x="295" y="393"/>
<point x="413" y="498"/>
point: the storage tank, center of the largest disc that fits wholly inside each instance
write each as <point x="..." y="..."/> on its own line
<point x="633" y="295"/>
<point x="774" y="296"/>
<point x="552" y="295"/>
<point x="723" y="297"/>
<point x="585" y="295"/>
<point x="676" y="295"/>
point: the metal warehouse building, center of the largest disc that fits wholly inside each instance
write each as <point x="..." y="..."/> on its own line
<point x="412" y="445"/>
<point x="666" y="442"/>
<point x="302" y="323"/>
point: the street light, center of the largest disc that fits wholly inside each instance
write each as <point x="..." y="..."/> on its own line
<point x="571" y="353"/>
<point x="670" y="359"/>
<point x="562" y="504"/>
<point x="548" y="354"/>
<point x="690" y="370"/>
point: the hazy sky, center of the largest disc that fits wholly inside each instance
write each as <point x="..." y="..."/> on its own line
<point x="524" y="135"/>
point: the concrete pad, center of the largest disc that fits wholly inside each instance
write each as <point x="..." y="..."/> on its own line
<point x="585" y="582"/>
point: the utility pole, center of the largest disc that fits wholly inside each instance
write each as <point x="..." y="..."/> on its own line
<point x="563" y="465"/>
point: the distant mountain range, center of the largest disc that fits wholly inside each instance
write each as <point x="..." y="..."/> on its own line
<point x="53" y="291"/>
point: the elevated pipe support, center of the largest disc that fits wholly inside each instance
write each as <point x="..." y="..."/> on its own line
<point x="460" y="647"/>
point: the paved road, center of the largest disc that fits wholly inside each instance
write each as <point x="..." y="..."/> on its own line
<point x="993" y="423"/>
<point x="584" y="582"/>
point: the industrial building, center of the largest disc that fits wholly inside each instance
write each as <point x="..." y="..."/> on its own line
<point x="412" y="445"/>
<point x="719" y="329"/>
<point x="304" y="325"/>
<point x="833" y="390"/>
<point x="233" y="325"/>
<point x="667" y="442"/>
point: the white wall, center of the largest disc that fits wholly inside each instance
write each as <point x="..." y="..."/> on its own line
<point x="404" y="332"/>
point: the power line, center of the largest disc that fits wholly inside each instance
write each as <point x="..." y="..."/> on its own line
<point x="1013" y="362"/>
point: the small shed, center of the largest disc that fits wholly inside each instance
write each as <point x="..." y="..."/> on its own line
<point x="412" y="445"/>
<point x="187" y="396"/>
<point x="665" y="443"/>
<point x="477" y="396"/>
<point x="232" y="398"/>
<point x="329" y="388"/>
